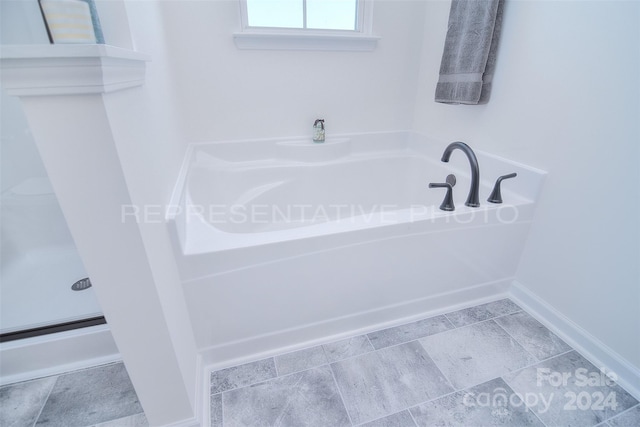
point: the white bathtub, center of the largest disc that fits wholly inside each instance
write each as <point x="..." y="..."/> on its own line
<point x="283" y="243"/>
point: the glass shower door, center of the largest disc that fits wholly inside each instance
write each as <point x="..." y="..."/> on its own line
<point x="39" y="263"/>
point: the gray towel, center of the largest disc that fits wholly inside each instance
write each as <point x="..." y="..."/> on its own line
<point x="469" y="56"/>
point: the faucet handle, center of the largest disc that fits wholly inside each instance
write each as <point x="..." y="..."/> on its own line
<point x="447" y="203"/>
<point x="496" y="196"/>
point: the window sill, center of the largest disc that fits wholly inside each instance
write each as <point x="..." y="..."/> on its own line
<point x="298" y="41"/>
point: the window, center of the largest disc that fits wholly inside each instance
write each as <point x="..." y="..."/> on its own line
<point x="303" y="14"/>
<point x="306" y="25"/>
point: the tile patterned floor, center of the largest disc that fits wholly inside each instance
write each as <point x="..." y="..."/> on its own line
<point x="489" y="365"/>
<point x="100" y="397"/>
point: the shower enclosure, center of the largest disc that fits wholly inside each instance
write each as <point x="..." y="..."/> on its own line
<point x="46" y="327"/>
<point x="39" y="263"/>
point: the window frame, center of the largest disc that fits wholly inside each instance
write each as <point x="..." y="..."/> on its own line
<point x="277" y="38"/>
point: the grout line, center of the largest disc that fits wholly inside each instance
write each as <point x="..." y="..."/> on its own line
<point x="403" y="343"/>
<point x="470" y="387"/>
<point x="533" y="412"/>
<point x="514" y="338"/>
<point x="427" y="401"/>
<point x="412" y="417"/>
<point x="509" y="314"/>
<point x="221" y="410"/>
<point x="539" y="362"/>
<point x="452" y="324"/>
<point x="449" y="320"/>
<point x="399" y="326"/>
<point x="412" y="340"/>
<point x="523" y="401"/>
<point x="494" y="318"/>
<point x="562" y="354"/>
<point x="270" y="379"/>
<point x="45" y="401"/>
<point x="437" y="366"/>
<point x="621" y="413"/>
<point x="324" y="351"/>
<point x="247" y="385"/>
<point x="335" y="382"/>
<point x="355" y="355"/>
<point x="452" y="393"/>
<point x="371" y="344"/>
<point x="527" y="407"/>
<point x="388" y="415"/>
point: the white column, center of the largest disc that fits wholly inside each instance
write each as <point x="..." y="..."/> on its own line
<point x="72" y="96"/>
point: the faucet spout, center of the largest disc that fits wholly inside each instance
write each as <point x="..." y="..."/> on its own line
<point x="473" y="199"/>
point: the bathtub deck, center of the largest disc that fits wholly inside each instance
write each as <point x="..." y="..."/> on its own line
<point x="466" y="368"/>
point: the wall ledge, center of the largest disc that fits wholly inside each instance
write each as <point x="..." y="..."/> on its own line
<point x="44" y="70"/>
<point x="269" y="40"/>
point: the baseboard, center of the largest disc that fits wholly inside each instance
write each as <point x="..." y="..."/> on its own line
<point x="201" y="407"/>
<point x="310" y="335"/>
<point x="598" y="353"/>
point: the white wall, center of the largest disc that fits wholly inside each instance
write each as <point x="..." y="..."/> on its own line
<point x="226" y="93"/>
<point x="566" y="98"/>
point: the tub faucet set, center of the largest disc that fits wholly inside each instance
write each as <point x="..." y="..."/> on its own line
<point x="473" y="199"/>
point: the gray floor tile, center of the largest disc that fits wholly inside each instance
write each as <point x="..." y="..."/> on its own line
<point x="242" y="375"/>
<point x="216" y="410"/>
<point x="489" y="404"/>
<point x="545" y="382"/>
<point x="477" y="353"/>
<point x="350" y="347"/>
<point x="301" y="360"/>
<point x="532" y="335"/>
<point x="631" y="418"/>
<point x="400" y="419"/>
<point x="91" y="396"/>
<point x="409" y="332"/>
<point x="482" y="312"/>
<point x="138" y="420"/>
<point x="389" y="380"/>
<point x="21" y="403"/>
<point x="308" y="398"/>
